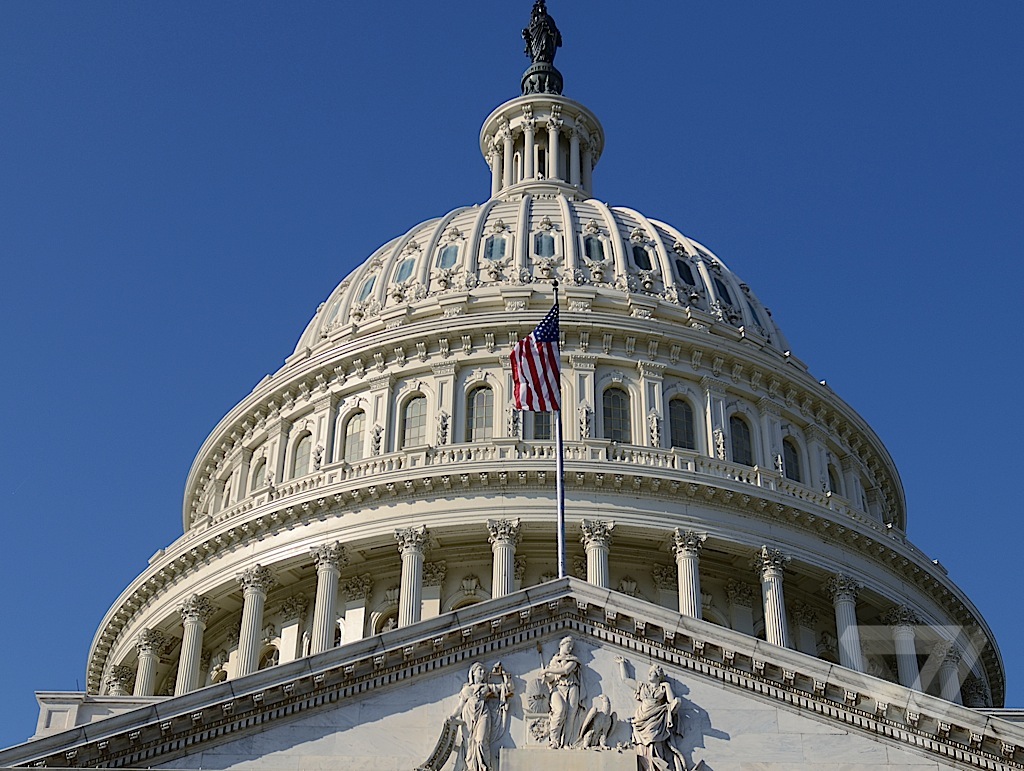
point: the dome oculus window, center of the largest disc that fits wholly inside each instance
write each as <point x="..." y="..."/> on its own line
<point x="681" y="425"/>
<point x="684" y="272"/>
<point x="791" y="460"/>
<point x="355" y="427"/>
<point x="494" y="248"/>
<point x="544" y="245"/>
<point x="405" y="270"/>
<point x="740" y="440"/>
<point x="480" y="414"/>
<point x="448" y="256"/>
<point x="641" y="257"/>
<point x="414" y="422"/>
<point x="615" y="404"/>
<point x="367" y="288"/>
<point x="593" y="248"/>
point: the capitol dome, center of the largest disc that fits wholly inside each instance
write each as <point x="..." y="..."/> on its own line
<point x="384" y="477"/>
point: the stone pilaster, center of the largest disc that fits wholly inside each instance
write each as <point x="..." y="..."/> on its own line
<point x="504" y="538"/>
<point x="434" y="574"/>
<point x="412" y="545"/>
<point x="356" y="592"/>
<point x="195" y="612"/>
<point x="149" y="644"/>
<point x="687" y="545"/>
<point x="843" y="590"/>
<point x="741" y="606"/>
<point x="902" y="621"/>
<point x="805" y="618"/>
<point x="329" y="559"/>
<point x="255" y="583"/>
<point x="597" y="541"/>
<point x="770" y="565"/>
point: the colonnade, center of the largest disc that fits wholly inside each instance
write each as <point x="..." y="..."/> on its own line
<point x="413" y="543"/>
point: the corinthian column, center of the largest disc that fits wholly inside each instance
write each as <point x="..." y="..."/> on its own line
<point x="597" y="540"/>
<point x="902" y="621"/>
<point x="118" y="680"/>
<point x="329" y="559"/>
<point x="504" y="537"/>
<point x="949" y="670"/>
<point x="149" y="644"/>
<point x="529" y="148"/>
<point x="554" y="125"/>
<point x="412" y="543"/>
<point x="687" y="545"/>
<point x="843" y="591"/>
<point x="256" y="582"/>
<point x="770" y="565"/>
<point x="195" y="612"/>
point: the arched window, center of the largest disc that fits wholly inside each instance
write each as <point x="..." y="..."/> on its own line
<point x="544" y="245"/>
<point x="680" y="424"/>
<point x="742" y="446"/>
<point x="448" y="256"/>
<point x="833" y="480"/>
<point x="480" y="414"/>
<point x="259" y="475"/>
<point x="300" y="460"/>
<point x="364" y="293"/>
<point x="271" y="657"/>
<point x="494" y="248"/>
<point x="355" y="428"/>
<point x="791" y="460"/>
<point x="541" y="426"/>
<point x="641" y="257"/>
<point x="405" y="270"/>
<point x="723" y="291"/>
<point x="684" y="272"/>
<point x="593" y="248"/>
<point x="616" y="416"/>
<point x="225" y="498"/>
<point x="414" y="422"/>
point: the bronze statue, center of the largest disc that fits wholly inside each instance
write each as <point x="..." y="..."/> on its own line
<point x="542" y="36"/>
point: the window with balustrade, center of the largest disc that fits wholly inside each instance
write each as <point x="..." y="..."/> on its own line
<point x="741" y="441"/>
<point x="480" y="414"/>
<point x="616" y="414"/>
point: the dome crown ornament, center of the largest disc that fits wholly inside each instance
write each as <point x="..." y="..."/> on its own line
<point x="542" y="41"/>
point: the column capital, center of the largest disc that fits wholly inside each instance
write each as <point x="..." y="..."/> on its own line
<point x="503" y="531"/>
<point x="256" y="579"/>
<point x="842" y="587"/>
<point x="196" y="608"/>
<point x="151" y="641"/>
<point x="119" y="679"/>
<point x="687" y="542"/>
<point x="768" y="562"/>
<point x="329" y="556"/>
<point x="901" y="615"/>
<point x="804" y="614"/>
<point x="357" y="587"/>
<point x="434" y="573"/>
<point x="295" y="606"/>
<point x="949" y="652"/>
<point x="597" y="532"/>
<point x="740" y="594"/>
<point x="412" y="539"/>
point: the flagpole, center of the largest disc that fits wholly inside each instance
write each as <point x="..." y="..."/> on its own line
<point x="560" y="470"/>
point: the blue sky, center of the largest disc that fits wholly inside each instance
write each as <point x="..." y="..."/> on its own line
<point x="181" y="184"/>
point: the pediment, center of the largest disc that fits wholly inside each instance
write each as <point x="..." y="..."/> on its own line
<point x="383" y="702"/>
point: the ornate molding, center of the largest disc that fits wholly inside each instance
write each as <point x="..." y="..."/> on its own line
<point x="804" y="615"/>
<point x="330" y="556"/>
<point x="741" y="595"/>
<point x="196" y="608"/>
<point x="666" y="577"/>
<point x="687" y="543"/>
<point x="152" y="641"/>
<point x="769" y="562"/>
<point x="434" y="573"/>
<point x="842" y="588"/>
<point x="503" y="531"/>
<point x="256" y="579"/>
<point x="901" y="615"/>
<point x="357" y="587"/>
<point x="294" y="607"/>
<point x="412" y="539"/>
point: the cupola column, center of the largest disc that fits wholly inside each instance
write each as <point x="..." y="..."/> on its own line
<point x="574" y="156"/>
<point x="554" y="125"/>
<point x="329" y="559"/>
<point x="529" y="147"/>
<point x="770" y="565"/>
<point x="687" y="546"/>
<point x="508" y="170"/>
<point x="597" y="540"/>
<point x="149" y="644"/>
<point x="494" y="159"/>
<point x="412" y="544"/>
<point x="588" y="168"/>
<point x="195" y="612"/>
<point x="504" y="537"/>
<point x="255" y="582"/>
<point x="843" y="591"/>
<point x="902" y="621"/>
<point x="949" y="670"/>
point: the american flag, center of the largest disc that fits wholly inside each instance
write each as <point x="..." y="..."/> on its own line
<point x="535" y="367"/>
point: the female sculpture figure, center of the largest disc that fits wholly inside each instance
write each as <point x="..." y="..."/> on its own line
<point x="477" y="725"/>
<point x="655" y="720"/>
<point x="562" y="676"/>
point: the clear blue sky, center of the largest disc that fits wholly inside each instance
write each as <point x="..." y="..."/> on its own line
<point x="181" y="184"/>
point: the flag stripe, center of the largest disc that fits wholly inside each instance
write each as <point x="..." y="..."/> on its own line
<point x="535" y="368"/>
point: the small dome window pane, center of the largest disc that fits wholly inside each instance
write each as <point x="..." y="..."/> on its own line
<point x="641" y="257"/>
<point x="541" y="426"/>
<point x="742" y="445"/>
<point x="494" y="248"/>
<point x="480" y="415"/>
<point x="448" y="256"/>
<point x="723" y="291"/>
<point x="681" y="425"/>
<point x="367" y="288"/>
<point x="405" y="270"/>
<point x="791" y="460"/>
<point x="616" y="416"/>
<point x="684" y="272"/>
<point x="544" y="245"/>
<point x="593" y="248"/>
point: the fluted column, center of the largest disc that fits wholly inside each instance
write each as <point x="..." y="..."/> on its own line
<point x="588" y="168"/>
<point x="495" y="160"/>
<point x="843" y="591"/>
<point x="687" y="545"/>
<point x="553" y="128"/>
<point x="770" y="565"/>
<point x="574" y="156"/>
<point x="504" y="537"/>
<point x="509" y="170"/>
<point x="412" y="543"/>
<point x="329" y="559"/>
<point x="149" y="644"/>
<point x="195" y="612"/>
<point x="255" y="582"/>
<point x="949" y="670"/>
<point x="529" y="147"/>
<point x="902" y="621"/>
<point x="597" y="540"/>
<point x="118" y="680"/>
